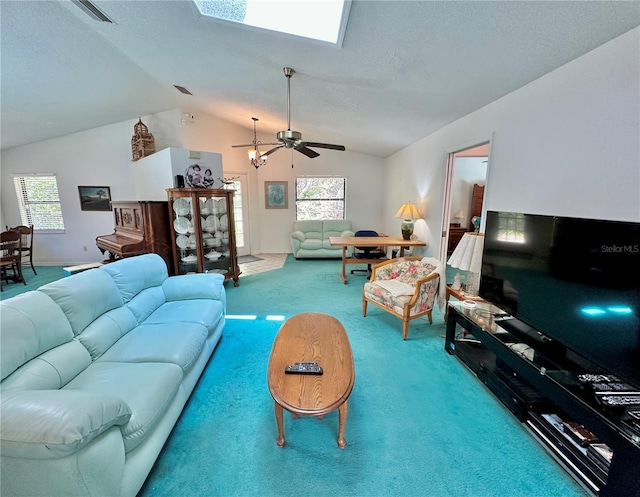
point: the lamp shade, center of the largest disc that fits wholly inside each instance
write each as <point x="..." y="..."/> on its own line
<point x="468" y="253"/>
<point x="408" y="211"/>
<point x="468" y="257"/>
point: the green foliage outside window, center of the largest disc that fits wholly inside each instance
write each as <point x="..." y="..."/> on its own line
<point x="320" y="198"/>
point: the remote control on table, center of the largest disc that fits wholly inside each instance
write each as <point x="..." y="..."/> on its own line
<point x="303" y="368"/>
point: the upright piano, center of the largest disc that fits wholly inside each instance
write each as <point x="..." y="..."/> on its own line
<point x="141" y="227"/>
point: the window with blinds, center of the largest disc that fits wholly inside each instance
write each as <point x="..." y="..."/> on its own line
<point x="39" y="202"/>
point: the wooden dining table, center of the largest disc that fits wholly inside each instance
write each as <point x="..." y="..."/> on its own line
<point x="369" y="241"/>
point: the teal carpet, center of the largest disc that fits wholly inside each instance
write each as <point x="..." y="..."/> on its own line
<point x="46" y="274"/>
<point x="419" y="423"/>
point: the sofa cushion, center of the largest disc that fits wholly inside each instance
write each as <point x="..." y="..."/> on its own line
<point x="312" y="244"/>
<point x="207" y="313"/>
<point x="335" y="227"/>
<point x="311" y="228"/>
<point x="31" y="324"/>
<point x="50" y="370"/>
<point x="134" y="274"/>
<point x="146" y="302"/>
<point x="43" y="424"/>
<point x="177" y="343"/>
<point x="107" y="330"/>
<point x="147" y="388"/>
<point x="84" y="296"/>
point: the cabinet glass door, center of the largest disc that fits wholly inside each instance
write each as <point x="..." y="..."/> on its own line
<point x="185" y="235"/>
<point x="215" y="233"/>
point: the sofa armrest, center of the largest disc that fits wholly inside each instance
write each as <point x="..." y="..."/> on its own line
<point x="49" y="424"/>
<point x="426" y="291"/>
<point x="347" y="233"/>
<point x="194" y="286"/>
<point x="298" y="235"/>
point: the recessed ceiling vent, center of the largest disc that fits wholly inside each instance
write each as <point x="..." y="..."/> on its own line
<point x="92" y="11"/>
<point x="182" y="89"/>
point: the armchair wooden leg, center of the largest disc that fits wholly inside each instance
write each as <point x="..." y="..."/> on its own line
<point x="405" y="328"/>
<point x="364" y="307"/>
<point x="430" y="318"/>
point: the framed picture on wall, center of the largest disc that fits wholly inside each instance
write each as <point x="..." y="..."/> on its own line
<point x="276" y="195"/>
<point x="95" y="198"/>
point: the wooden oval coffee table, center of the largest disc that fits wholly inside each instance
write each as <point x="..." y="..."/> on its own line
<point x="311" y="337"/>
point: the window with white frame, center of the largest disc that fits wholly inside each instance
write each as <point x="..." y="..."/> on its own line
<point x="320" y="197"/>
<point x="39" y="202"/>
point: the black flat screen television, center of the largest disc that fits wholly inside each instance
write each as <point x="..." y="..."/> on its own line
<point x="575" y="281"/>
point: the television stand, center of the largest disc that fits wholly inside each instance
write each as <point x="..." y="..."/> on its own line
<point x="539" y="382"/>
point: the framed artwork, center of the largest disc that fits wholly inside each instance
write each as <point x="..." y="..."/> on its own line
<point x="95" y="198"/>
<point x="276" y="195"/>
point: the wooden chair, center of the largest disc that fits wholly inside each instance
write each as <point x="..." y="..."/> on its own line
<point x="26" y="250"/>
<point x="406" y="287"/>
<point x="10" y="256"/>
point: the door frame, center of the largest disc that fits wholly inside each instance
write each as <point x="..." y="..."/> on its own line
<point x="448" y="185"/>
<point x="243" y="178"/>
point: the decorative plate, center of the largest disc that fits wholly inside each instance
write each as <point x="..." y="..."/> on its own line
<point x="210" y="224"/>
<point x="181" y="206"/>
<point x="181" y="225"/>
<point x="224" y="223"/>
<point x="182" y="241"/>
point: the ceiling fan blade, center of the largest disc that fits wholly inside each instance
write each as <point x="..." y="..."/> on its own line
<point x="324" y="145"/>
<point x="268" y="152"/>
<point x="253" y="145"/>
<point x="312" y="154"/>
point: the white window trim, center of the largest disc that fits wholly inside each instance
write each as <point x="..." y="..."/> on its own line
<point x="25" y="217"/>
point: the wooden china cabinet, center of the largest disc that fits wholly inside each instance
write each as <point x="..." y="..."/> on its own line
<point x="203" y="231"/>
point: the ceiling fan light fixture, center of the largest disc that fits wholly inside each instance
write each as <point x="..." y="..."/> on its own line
<point x="255" y="157"/>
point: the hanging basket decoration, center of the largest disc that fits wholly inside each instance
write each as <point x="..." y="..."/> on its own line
<point x="142" y="142"/>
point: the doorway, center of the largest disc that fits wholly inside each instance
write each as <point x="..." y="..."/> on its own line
<point x="465" y="191"/>
<point x="241" y="212"/>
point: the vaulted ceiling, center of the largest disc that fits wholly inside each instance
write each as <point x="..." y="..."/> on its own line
<point x="404" y="70"/>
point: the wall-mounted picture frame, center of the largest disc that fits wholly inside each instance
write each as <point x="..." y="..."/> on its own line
<point x="276" y="195"/>
<point x="95" y="198"/>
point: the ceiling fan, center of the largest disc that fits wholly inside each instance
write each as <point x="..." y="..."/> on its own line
<point x="293" y="139"/>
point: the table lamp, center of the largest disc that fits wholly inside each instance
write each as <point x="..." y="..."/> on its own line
<point x="467" y="256"/>
<point x="409" y="213"/>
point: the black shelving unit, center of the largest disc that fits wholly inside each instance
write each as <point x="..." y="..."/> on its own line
<point x="538" y="381"/>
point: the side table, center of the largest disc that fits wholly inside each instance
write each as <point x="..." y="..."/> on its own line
<point x="459" y="295"/>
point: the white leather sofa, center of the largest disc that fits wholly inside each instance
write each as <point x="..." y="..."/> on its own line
<point x="96" y="369"/>
<point x="310" y="239"/>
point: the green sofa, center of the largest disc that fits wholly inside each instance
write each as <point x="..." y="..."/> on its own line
<point x="310" y="239"/>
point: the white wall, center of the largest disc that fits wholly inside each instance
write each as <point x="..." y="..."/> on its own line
<point x="566" y="144"/>
<point x="96" y="157"/>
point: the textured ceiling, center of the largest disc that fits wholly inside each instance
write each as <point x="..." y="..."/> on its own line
<point x="405" y="69"/>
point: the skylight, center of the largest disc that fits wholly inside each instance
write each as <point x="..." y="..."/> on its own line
<point x="323" y="20"/>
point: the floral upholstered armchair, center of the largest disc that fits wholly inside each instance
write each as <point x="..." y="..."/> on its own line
<point x="406" y="287"/>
